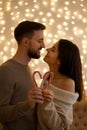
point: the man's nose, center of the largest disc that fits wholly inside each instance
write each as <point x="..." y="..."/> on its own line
<point x="43" y="45"/>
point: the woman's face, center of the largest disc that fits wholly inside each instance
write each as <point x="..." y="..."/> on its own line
<point x="52" y="55"/>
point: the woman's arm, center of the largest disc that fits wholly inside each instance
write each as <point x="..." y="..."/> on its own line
<point x="51" y="117"/>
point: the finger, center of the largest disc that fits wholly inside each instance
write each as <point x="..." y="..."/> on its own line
<point x="48" y="95"/>
<point x="36" y="91"/>
<point x="37" y="96"/>
<point x="48" y="92"/>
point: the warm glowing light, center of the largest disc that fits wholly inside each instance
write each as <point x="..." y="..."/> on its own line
<point x="66" y="19"/>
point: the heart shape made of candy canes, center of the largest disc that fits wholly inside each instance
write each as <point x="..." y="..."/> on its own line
<point x="48" y="76"/>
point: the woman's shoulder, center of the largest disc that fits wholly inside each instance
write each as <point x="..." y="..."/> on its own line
<point x="68" y="84"/>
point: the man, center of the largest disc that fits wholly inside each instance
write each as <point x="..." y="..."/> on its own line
<point x="17" y="96"/>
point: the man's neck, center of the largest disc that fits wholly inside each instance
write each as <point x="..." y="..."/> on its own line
<point x="21" y="60"/>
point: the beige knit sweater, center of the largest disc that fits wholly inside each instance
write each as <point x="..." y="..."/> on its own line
<point x="58" y="114"/>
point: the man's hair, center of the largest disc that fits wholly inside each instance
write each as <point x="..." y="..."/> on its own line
<point x="27" y="28"/>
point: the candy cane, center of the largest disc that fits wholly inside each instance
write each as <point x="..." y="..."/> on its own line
<point x="35" y="83"/>
<point x="48" y="76"/>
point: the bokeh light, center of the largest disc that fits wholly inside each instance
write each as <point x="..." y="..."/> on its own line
<point x="63" y="18"/>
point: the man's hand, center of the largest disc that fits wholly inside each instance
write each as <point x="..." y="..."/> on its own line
<point x="35" y="95"/>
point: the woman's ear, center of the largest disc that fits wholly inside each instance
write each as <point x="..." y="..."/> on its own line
<point x="58" y="62"/>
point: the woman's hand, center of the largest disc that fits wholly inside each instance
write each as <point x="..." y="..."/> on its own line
<point x="48" y="94"/>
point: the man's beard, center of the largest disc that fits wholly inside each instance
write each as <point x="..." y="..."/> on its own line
<point x="33" y="54"/>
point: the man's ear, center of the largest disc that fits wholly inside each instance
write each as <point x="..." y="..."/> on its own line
<point x="25" y="41"/>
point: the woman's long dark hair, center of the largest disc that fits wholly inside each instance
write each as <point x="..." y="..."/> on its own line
<point x="69" y="56"/>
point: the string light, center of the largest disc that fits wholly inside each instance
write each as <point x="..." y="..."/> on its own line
<point x="66" y="19"/>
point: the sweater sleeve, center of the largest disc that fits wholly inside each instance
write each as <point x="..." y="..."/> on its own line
<point x="13" y="112"/>
<point x="8" y="111"/>
<point x="51" y="118"/>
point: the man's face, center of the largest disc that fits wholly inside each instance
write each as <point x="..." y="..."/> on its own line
<point x="36" y="43"/>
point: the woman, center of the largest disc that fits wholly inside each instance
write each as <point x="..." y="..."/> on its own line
<point x="64" y="61"/>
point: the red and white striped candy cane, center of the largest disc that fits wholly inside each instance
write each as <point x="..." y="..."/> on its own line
<point x="35" y="83"/>
<point x="48" y="76"/>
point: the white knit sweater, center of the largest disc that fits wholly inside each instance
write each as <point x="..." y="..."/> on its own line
<point x="58" y="114"/>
